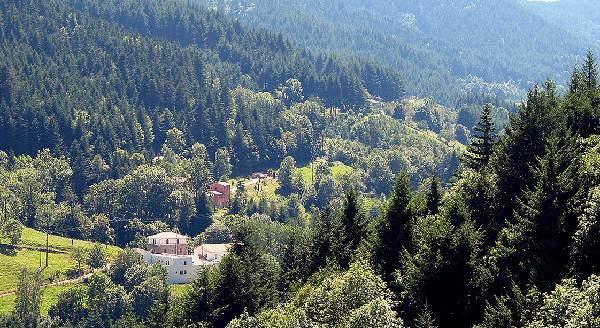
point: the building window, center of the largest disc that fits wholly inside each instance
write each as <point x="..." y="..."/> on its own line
<point x="184" y="271"/>
<point x="167" y="241"/>
<point x="184" y="262"/>
<point x="178" y="241"/>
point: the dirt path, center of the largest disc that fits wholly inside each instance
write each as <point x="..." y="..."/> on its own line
<point x="56" y="283"/>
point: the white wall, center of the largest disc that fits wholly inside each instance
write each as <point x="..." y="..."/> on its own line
<point x="180" y="269"/>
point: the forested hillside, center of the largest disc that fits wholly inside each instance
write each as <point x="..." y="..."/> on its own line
<point x="580" y="17"/>
<point x="442" y="48"/>
<point x="513" y="240"/>
<point x="88" y="78"/>
<point x="349" y="204"/>
<point x="142" y="104"/>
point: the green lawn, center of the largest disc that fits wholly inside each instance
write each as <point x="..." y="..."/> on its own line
<point x="268" y="189"/>
<point x="178" y="290"/>
<point x="36" y="238"/>
<point x="270" y="186"/>
<point x="58" y="264"/>
<point x="50" y="298"/>
<point x="338" y="170"/>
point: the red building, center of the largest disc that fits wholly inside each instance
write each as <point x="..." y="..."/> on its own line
<point x="220" y="193"/>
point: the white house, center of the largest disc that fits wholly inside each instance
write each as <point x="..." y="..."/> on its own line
<point x="181" y="269"/>
<point x="168" y="243"/>
<point x="211" y="252"/>
<point x="171" y="251"/>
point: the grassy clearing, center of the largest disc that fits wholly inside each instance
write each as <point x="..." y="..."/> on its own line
<point x="36" y="238"/>
<point x="338" y="170"/>
<point x="268" y="189"/>
<point x="51" y="295"/>
<point x="58" y="264"/>
<point x="178" y="290"/>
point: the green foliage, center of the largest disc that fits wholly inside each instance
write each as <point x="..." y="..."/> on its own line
<point x="290" y="180"/>
<point x="328" y="241"/>
<point x="482" y="143"/>
<point x="525" y="142"/>
<point x="541" y="226"/>
<point x="223" y="166"/>
<point x="434" y="197"/>
<point x="101" y="303"/>
<point x="420" y="40"/>
<point x="570" y="305"/>
<point x="97" y="257"/>
<point x="240" y="283"/>
<point x="29" y="298"/>
<point x="393" y="229"/>
<point x="71" y="305"/>
<point x="353" y="223"/>
<point x="125" y="259"/>
<point x="353" y="298"/>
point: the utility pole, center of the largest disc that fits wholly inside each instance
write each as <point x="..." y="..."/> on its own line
<point x="322" y="143"/>
<point x="47" y="237"/>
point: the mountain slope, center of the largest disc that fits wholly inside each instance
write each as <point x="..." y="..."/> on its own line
<point x="90" y="77"/>
<point x="433" y="43"/>
<point x="580" y="17"/>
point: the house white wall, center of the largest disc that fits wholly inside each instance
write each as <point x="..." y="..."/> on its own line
<point x="181" y="269"/>
<point x="211" y="252"/>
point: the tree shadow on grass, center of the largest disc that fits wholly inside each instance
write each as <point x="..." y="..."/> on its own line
<point x="8" y="250"/>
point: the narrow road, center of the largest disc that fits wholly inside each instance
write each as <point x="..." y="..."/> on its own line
<point x="57" y="283"/>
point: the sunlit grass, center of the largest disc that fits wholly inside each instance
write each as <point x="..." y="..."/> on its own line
<point x="29" y="256"/>
<point x="178" y="290"/>
<point x="338" y="170"/>
<point x="36" y="238"/>
<point x="11" y="265"/>
<point x="51" y="296"/>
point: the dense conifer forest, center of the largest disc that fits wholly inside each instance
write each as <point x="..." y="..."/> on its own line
<point x="442" y="48"/>
<point x="378" y="208"/>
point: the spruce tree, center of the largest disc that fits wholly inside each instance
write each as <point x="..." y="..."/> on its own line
<point x="577" y="81"/>
<point x="536" y="246"/>
<point x="327" y="240"/>
<point x="482" y="144"/>
<point x="425" y="319"/>
<point x="393" y="229"/>
<point x="353" y="225"/>
<point x="434" y="197"/>
<point x="590" y="72"/>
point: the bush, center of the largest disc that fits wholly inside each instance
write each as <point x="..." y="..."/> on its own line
<point x="97" y="257"/>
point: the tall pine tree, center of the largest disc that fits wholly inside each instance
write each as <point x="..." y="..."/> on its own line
<point x="482" y="144"/>
<point x="590" y="72"/>
<point x="393" y="229"/>
<point x="353" y="226"/>
<point x="434" y="197"/>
